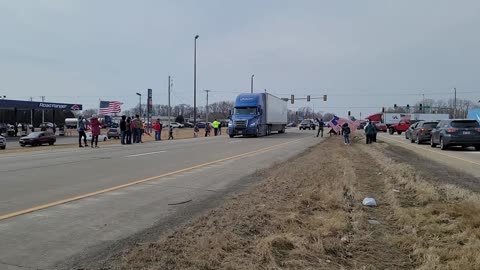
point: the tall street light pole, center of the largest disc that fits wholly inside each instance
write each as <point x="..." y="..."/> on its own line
<point x="139" y="104"/>
<point x="251" y="83"/>
<point x="195" y="79"/>
<point x="206" y="108"/>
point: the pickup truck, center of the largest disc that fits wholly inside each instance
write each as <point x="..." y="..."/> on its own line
<point x="400" y="127"/>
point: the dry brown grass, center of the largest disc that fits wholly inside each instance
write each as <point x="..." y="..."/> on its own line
<point x="439" y="224"/>
<point x="307" y="214"/>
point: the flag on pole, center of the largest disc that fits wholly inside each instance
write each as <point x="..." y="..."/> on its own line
<point x="109" y="107"/>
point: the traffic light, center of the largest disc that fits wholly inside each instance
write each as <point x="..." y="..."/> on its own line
<point x="292" y="99"/>
<point x="324" y="97"/>
<point x="308" y="98"/>
<point x="349" y="113"/>
<point x="395" y="106"/>
<point x="421" y="107"/>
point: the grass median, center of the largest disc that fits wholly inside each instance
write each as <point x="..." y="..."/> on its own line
<point x="307" y="214"/>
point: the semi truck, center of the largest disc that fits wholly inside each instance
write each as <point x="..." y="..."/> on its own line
<point x="257" y="114"/>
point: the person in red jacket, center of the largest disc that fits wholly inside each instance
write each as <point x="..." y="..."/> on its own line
<point x="95" y="126"/>
<point x="158" y="130"/>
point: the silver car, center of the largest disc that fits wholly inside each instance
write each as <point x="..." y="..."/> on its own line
<point x="3" y="143"/>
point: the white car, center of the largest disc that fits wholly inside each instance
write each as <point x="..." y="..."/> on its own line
<point x="176" y="125"/>
<point x="101" y="137"/>
<point x="3" y="143"/>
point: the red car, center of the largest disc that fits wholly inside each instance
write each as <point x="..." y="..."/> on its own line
<point x="38" y="138"/>
<point x="381" y="127"/>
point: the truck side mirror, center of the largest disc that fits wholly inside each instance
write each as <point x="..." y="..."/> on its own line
<point x="260" y="112"/>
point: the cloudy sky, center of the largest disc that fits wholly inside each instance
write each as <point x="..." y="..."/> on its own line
<point x="362" y="54"/>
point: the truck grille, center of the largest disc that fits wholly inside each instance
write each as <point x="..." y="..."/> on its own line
<point x="241" y="124"/>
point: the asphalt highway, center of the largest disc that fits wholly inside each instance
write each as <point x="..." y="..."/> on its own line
<point x="467" y="160"/>
<point x="57" y="204"/>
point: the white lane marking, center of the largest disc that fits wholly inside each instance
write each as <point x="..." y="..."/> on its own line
<point x="145" y="154"/>
<point x="235" y="141"/>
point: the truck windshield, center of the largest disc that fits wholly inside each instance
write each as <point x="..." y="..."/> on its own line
<point x="245" y="110"/>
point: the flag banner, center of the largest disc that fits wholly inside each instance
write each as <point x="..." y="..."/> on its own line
<point x="109" y="107"/>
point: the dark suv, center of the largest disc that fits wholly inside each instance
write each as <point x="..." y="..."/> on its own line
<point x="38" y="138"/>
<point x="306" y="124"/>
<point x="422" y="131"/>
<point x="455" y="132"/>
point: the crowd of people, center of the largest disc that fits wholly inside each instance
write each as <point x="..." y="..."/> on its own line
<point x="370" y="131"/>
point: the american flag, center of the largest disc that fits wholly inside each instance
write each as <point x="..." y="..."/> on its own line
<point x="109" y="107"/>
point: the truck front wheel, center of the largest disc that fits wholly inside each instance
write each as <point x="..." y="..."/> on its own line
<point x="231" y="135"/>
<point x="399" y="132"/>
<point x="391" y="131"/>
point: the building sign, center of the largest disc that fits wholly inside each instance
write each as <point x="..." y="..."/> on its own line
<point x="28" y="105"/>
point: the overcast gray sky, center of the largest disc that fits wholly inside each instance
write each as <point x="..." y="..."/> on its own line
<point x="361" y="53"/>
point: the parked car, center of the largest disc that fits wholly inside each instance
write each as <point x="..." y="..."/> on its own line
<point x="202" y="124"/>
<point x="113" y="133"/>
<point x="409" y="131"/>
<point x="306" y="124"/>
<point x="456" y="132"/>
<point x="423" y="131"/>
<point x="38" y="138"/>
<point x="3" y="143"/>
<point x="101" y="137"/>
<point x="176" y="125"/>
<point x="362" y="125"/>
<point x="400" y="127"/>
<point x="47" y="125"/>
<point x="292" y="124"/>
<point x="381" y="127"/>
<point x="188" y="125"/>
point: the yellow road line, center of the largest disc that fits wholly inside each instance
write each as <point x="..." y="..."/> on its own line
<point x="430" y="150"/>
<point x="48" y="205"/>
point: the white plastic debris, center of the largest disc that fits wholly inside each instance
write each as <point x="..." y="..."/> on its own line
<point x="374" y="222"/>
<point x="369" y="202"/>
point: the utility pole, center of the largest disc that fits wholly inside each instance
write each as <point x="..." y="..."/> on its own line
<point x="195" y="80"/>
<point x="169" y="108"/>
<point x="423" y="103"/>
<point x="251" y="83"/>
<point x="455" y="104"/>
<point x="43" y="111"/>
<point x="206" y="120"/>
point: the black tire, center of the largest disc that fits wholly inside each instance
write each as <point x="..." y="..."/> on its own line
<point x="443" y="146"/>
<point x="418" y="141"/>
<point x="3" y="147"/>
<point x="432" y="144"/>
<point x="406" y="136"/>
<point x="105" y="139"/>
<point x="477" y="148"/>
<point x="22" y="145"/>
<point x="399" y="132"/>
<point x="391" y="131"/>
<point x="412" y="140"/>
<point x="51" y="143"/>
<point x="231" y="135"/>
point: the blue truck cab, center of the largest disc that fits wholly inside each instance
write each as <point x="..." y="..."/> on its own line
<point x="257" y="115"/>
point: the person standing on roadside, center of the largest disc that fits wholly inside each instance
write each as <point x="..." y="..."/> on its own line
<point x="157" y="127"/>
<point x="321" y="124"/>
<point x="142" y="130"/>
<point x="136" y="124"/>
<point x="170" y="132"/>
<point x="81" y="131"/>
<point x="370" y="131"/>
<point x="207" y="129"/>
<point x="123" y="129"/>
<point x="128" y="132"/>
<point x="96" y="126"/>
<point x="215" y="127"/>
<point x="195" y="131"/>
<point x="346" y="133"/>
<point x="219" y="128"/>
